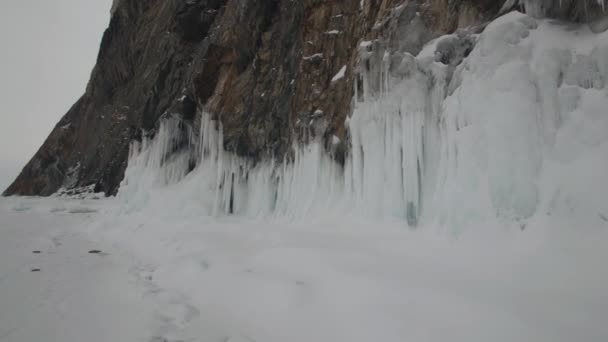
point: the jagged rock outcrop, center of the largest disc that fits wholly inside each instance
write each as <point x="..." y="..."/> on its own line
<point x="270" y="71"/>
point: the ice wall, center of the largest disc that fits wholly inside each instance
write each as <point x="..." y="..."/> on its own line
<point x="394" y="133"/>
<point x="508" y="124"/>
<point x="517" y="128"/>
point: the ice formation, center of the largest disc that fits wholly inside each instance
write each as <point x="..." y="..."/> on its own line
<point x="517" y="127"/>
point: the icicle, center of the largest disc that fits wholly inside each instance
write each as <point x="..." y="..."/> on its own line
<point x="383" y="175"/>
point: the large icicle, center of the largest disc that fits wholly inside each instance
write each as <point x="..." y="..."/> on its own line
<point x="394" y="135"/>
<point x="158" y="162"/>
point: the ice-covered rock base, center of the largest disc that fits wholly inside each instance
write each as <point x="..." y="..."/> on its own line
<point x="518" y="127"/>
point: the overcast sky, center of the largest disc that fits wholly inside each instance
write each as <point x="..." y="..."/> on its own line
<point x="47" y="52"/>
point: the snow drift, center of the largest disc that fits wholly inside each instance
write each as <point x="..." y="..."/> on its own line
<point x="504" y="125"/>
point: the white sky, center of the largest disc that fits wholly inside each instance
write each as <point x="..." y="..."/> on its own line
<point x="47" y="52"/>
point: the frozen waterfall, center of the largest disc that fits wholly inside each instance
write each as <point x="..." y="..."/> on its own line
<point x="520" y="127"/>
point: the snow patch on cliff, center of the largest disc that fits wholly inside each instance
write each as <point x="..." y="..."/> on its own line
<point x="340" y="75"/>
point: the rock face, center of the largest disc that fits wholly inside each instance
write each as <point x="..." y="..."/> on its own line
<point x="274" y="72"/>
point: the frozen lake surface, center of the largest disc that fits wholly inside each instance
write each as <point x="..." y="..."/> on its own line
<point x="160" y="277"/>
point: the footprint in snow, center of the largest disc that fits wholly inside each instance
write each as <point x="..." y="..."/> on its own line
<point x="163" y="339"/>
<point x="175" y="312"/>
<point x="239" y="338"/>
<point x="82" y="210"/>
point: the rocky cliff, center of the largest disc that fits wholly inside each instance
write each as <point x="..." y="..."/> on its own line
<point x="275" y="73"/>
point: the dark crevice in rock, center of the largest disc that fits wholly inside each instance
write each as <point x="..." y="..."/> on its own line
<point x="194" y="18"/>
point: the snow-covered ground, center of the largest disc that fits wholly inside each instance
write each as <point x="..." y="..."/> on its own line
<point x="168" y="277"/>
<point x="52" y="289"/>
